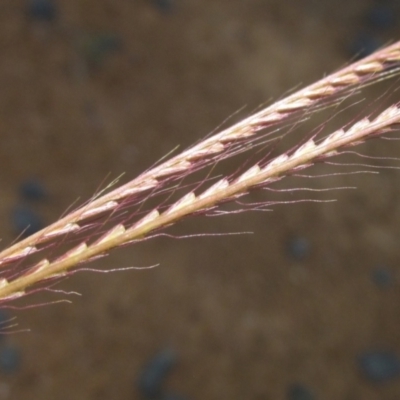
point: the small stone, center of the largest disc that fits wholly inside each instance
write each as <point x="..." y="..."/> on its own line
<point x="32" y="190"/>
<point x="95" y="48"/>
<point x="382" y="277"/>
<point x="165" y="6"/>
<point x="42" y="10"/>
<point x="26" y="221"/>
<point x="379" y="366"/>
<point x="381" y="17"/>
<point x="298" y="248"/>
<point x="153" y="375"/>
<point x="10" y="359"/>
<point x="299" y="392"/>
<point x="364" y="45"/>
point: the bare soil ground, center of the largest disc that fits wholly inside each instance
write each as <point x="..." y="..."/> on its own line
<point x="245" y="318"/>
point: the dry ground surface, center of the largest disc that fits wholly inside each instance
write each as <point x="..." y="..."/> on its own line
<point x="245" y="318"/>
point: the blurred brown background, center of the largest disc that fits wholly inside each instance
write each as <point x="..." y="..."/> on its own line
<point x="103" y="87"/>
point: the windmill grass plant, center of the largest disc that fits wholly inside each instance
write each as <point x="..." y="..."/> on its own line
<point x="162" y="195"/>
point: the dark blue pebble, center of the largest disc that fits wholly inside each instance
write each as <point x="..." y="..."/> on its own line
<point x="108" y="42"/>
<point x="26" y="221"/>
<point x="96" y="48"/>
<point x="10" y="359"/>
<point x="42" y="10"/>
<point x="381" y="17"/>
<point x="364" y="45"/>
<point x="382" y="277"/>
<point x="153" y="375"/>
<point x="32" y="190"/>
<point x="298" y="248"/>
<point x="299" y="392"/>
<point x="165" y="6"/>
<point x="379" y="366"/>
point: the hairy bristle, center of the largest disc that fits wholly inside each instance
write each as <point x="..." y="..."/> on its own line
<point x="94" y="239"/>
